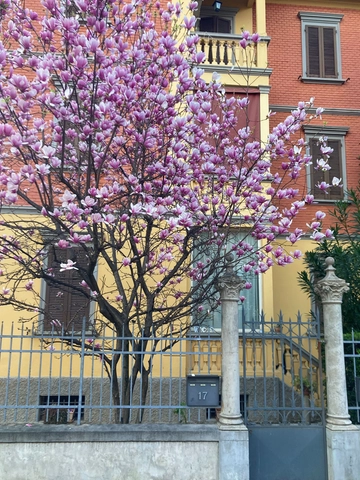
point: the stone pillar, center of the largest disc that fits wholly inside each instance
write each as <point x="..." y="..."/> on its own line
<point x="234" y="436"/>
<point x="342" y="437"/>
<point x="331" y="289"/>
<point x="230" y="286"/>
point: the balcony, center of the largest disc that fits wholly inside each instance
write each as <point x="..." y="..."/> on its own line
<point x="223" y="50"/>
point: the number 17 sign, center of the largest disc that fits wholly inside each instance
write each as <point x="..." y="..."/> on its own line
<point x="202" y="391"/>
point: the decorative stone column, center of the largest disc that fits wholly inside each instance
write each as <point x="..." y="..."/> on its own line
<point x="331" y="289"/>
<point x="342" y="437"/>
<point x="230" y="286"/>
<point x="234" y="436"/>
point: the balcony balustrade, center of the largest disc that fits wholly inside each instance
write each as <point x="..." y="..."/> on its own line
<point x="224" y="50"/>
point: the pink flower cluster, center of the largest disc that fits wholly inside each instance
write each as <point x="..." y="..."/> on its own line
<point x="110" y="131"/>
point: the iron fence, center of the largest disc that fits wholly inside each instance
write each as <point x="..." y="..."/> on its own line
<point x="352" y="369"/>
<point x="61" y="378"/>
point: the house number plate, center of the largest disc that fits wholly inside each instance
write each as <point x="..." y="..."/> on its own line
<point x="202" y="391"/>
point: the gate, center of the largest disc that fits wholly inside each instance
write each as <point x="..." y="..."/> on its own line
<point x="282" y="399"/>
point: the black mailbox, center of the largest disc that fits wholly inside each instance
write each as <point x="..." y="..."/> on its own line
<point x="202" y="391"/>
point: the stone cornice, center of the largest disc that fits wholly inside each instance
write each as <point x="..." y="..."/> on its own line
<point x="351" y="112"/>
<point x="325" y="130"/>
<point x="320" y="18"/>
<point x="245" y="72"/>
<point x="18" y="210"/>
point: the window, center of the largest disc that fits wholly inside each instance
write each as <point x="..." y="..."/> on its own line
<point x="68" y="136"/>
<point x="63" y="300"/>
<point x="321" y="47"/>
<point x="217" y="22"/>
<point x="249" y="308"/>
<point x="335" y="140"/>
<point x="60" y="408"/>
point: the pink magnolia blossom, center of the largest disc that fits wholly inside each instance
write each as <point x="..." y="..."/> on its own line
<point x="136" y="159"/>
<point x="70" y="265"/>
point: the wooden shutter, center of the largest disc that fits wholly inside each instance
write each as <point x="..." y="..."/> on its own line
<point x="321" y="52"/>
<point x="62" y="302"/>
<point x="318" y="176"/>
<point x="79" y="305"/>
<point x="313" y="51"/>
<point x="329" y="52"/>
<point x="335" y="193"/>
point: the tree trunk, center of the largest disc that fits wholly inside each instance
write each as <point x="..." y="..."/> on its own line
<point x="115" y="395"/>
<point x="125" y="386"/>
<point x="143" y="393"/>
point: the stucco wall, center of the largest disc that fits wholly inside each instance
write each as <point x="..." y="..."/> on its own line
<point x="163" y="452"/>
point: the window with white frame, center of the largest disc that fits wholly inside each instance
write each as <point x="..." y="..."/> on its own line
<point x="337" y="161"/>
<point x="321" y="48"/>
<point x="248" y="310"/>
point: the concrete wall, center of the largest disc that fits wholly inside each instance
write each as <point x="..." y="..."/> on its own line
<point x="114" y="452"/>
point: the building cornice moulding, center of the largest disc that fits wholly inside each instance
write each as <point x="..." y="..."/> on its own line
<point x="321" y="18"/>
<point x="244" y="72"/>
<point x="325" y="130"/>
<point x="18" y="210"/>
<point x="318" y="4"/>
<point x="351" y="112"/>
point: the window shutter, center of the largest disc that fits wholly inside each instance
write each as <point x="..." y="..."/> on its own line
<point x="62" y="303"/>
<point x="318" y="176"/>
<point x="79" y="305"/>
<point x="313" y="51"/>
<point x="329" y="52"/>
<point x="55" y="297"/>
<point x="335" y="193"/>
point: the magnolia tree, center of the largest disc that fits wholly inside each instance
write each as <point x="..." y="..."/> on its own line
<point x="124" y="156"/>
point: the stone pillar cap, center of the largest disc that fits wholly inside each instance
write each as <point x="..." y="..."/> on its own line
<point x="331" y="287"/>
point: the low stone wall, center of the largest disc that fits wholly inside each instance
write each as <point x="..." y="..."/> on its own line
<point x="112" y="452"/>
